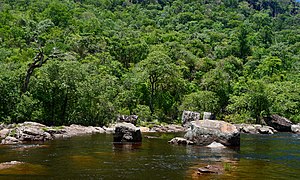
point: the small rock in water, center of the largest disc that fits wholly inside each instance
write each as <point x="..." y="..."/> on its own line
<point x="127" y="132"/>
<point x="179" y="140"/>
<point x="216" y="145"/>
<point x="211" y="169"/>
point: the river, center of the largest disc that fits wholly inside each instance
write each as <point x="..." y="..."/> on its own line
<point x="96" y="157"/>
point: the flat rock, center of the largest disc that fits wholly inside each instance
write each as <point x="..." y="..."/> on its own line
<point x="180" y="140"/>
<point x="255" y="129"/>
<point x="144" y="129"/>
<point x="211" y="169"/>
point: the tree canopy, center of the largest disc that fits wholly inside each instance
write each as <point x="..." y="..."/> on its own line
<point x="86" y="61"/>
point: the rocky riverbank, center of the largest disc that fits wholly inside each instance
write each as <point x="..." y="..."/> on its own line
<point x="32" y="131"/>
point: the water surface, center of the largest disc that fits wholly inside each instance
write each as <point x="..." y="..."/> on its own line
<point x="96" y="157"/>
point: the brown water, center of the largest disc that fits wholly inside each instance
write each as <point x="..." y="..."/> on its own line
<point x="96" y="157"/>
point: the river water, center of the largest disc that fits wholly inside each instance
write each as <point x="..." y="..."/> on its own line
<point x="96" y="157"/>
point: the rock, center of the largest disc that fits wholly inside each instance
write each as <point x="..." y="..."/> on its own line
<point x="6" y="165"/>
<point x="204" y="132"/>
<point x="216" y="145"/>
<point x="255" y="129"/>
<point x="211" y="169"/>
<point x="2" y="126"/>
<point x="109" y="130"/>
<point x="265" y="130"/>
<point x="10" y="140"/>
<point x="168" y="128"/>
<point x="152" y="137"/>
<point x="27" y="123"/>
<point x="179" y="140"/>
<point x="279" y="123"/>
<point x="75" y="130"/>
<point x="4" y="133"/>
<point x="144" y="129"/>
<point x="127" y="132"/>
<point x="32" y="130"/>
<point x="208" y="116"/>
<point x="188" y="116"/>
<point x="296" y="128"/>
<point x="129" y="119"/>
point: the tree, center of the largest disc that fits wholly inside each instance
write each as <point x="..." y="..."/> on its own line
<point x="201" y="101"/>
<point x="158" y="72"/>
<point x="251" y="96"/>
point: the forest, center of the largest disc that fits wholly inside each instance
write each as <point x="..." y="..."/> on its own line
<point x="88" y="61"/>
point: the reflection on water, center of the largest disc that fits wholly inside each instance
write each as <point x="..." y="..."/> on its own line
<point x="97" y="157"/>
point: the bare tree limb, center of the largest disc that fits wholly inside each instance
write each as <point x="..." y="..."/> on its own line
<point x="38" y="61"/>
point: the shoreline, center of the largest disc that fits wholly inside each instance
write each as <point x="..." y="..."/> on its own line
<point x="32" y="131"/>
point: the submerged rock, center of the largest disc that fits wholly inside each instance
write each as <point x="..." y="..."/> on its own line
<point x="127" y="132"/>
<point x="279" y="123"/>
<point x="204" y="132"/>
<point x="179" y="140"/>
<point x="211" y="169"/>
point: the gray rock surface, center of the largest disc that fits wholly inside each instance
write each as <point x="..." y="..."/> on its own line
<point x="204" y="132"/>
<point x="208" y="116"/>
<point x="10" y="140"/>
<point x="188" y="116"/>
<point x="255" y="129"/>
<point x="215" y="145"/>
<point x="180" y="140"/>
<point x="296" y="128"/>
<point x="127" y="132"/>
<point x="168" y="128"/>
<point x="128" y="118"/>
<point x="32" y="131"/>
<point x="279" y="123"/>
<point x="4" y="133"/>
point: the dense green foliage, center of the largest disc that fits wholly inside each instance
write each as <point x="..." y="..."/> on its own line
<point x="236" y="58"/>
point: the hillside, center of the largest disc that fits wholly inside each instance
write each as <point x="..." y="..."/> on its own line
<point x="86" y="61"/>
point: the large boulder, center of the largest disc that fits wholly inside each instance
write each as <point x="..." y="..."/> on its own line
<point x="188" y="116"/>
<point x="127" y="132"/>
<point x="279" y="123"/>
<point x="204" y="132"/>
